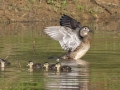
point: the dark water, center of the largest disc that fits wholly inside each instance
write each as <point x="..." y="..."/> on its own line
<point x="99" y="69"/>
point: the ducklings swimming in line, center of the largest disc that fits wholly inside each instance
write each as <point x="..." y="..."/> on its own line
<point x="52" y="67"/>
<point x="57" y="67"/>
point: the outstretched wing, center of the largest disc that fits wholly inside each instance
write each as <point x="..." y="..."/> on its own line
<point x="69" y="22"/>
<point x="67" y="38"/>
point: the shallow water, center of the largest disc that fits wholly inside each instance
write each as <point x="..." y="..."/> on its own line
<point x="97" y="70"/>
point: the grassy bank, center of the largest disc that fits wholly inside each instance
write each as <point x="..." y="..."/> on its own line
<point x="42" y="10"/>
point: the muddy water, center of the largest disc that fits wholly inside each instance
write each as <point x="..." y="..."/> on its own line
<point x="97" y="70"/>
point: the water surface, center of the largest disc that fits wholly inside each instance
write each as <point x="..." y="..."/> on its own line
<point x="97" y="70"/>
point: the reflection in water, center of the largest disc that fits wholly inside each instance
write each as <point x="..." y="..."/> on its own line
<point x="30" y="70"/>
<point x="77" y="79"/>
<point x="2" y="69"/>
<point x="25" y="41"/>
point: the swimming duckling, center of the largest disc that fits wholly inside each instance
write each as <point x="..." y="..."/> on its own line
<point x="46" y="65"/>
<point x="5" y="61"/>
<point x="64" y="68"/>
<point x="34" y="65"/>
<point x="2" y="63"/>
<point x="49" y="66"/>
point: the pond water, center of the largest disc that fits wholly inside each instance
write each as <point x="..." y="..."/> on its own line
<point x="21" y="42"/>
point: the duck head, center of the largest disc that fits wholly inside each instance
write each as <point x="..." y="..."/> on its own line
<point x="30" y="64"/>
<point x="84" y="31"/>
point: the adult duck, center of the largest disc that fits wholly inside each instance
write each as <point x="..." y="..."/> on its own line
<point x="72" y="36"/>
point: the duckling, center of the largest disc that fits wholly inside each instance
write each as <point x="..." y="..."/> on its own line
<point x="5" y="61"/>
<point x="49" y="66"/>
<point x="64" y="68"/>
<point x="46" y="65"/>
<point x="34" y="65"/>
<point x="2" y="63"/>
<point x="72" y="36"/>
<point x="52" y="67"/>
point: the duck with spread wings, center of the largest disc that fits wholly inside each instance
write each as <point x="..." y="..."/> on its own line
<point x="72" y="36"/>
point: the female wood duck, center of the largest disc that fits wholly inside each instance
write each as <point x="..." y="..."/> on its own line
<point x="64" y="68"/>
<point x="34" y="65"/>
<point x="72" y="36"/>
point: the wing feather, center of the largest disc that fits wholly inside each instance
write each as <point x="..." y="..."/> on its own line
<point x="69" y="22"/>
<point x="66" y="37"/>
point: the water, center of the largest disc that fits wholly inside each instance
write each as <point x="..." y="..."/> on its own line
<point x="97" y="70"/>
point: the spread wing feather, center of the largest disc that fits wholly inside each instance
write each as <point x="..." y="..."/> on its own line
<point x="69" y="22"/>
<point x="66" y="37"/>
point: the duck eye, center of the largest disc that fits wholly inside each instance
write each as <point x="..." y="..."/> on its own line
<point x="85" y="28"/>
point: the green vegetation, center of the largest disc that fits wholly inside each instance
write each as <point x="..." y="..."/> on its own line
<point x="36" y="10"/>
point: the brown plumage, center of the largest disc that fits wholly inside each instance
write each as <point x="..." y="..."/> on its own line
<point x="35" y="65"/>
<point x="72" y="36"/>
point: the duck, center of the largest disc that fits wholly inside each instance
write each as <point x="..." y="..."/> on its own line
<point x="46" y="66"/>
<point x="2" y="65"/>
<point x="64" y="68"/>
<point x="6" y="63"/>
<point x="72" y="36"/>
<point x="49" y="66"/>
<point x="33" y="65"/>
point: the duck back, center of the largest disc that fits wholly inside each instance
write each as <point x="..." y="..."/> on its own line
<point x="37" y="66"/>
